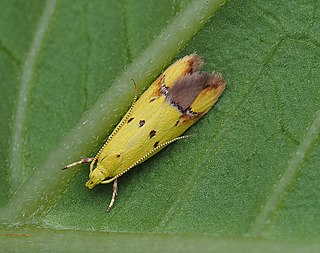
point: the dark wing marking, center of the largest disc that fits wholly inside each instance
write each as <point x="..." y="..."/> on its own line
<point x="186" y="89"/>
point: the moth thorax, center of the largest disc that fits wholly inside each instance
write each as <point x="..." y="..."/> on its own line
<point x="95" y="177"/>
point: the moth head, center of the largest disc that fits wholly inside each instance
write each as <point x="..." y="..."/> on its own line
<point x="95" y="177"/>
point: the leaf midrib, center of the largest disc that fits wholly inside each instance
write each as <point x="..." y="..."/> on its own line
<point x="115" y="242"/>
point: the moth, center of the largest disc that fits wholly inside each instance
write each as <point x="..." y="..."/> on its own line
<point x="178" y="98"/>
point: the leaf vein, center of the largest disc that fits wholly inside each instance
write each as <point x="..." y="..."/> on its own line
<point x="16" y="149"/>
<point x="289" y="176"/>
<point x="124" y="14"/>
<point x="10" y="54"/>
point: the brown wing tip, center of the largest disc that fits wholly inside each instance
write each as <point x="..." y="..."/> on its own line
<point x="194" y="61"/>
<point x="216" y="81"/>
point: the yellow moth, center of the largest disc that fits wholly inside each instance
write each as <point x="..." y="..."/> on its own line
<point x="179" y="97"/>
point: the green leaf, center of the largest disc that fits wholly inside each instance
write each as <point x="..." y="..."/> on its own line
<point x="246" y="181"/>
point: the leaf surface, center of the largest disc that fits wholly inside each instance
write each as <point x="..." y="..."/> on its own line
<point x="249" y="171"/>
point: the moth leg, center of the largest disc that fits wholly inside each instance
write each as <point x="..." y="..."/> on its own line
<point x="114" y="194"/>
<point x="83" y="160"/>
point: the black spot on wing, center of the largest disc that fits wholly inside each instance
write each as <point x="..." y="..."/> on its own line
<point x="152" y="133"/>
<point x="142" y="122"/>
<point x="156" y="144"/>
<point x="130" y="120"/>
